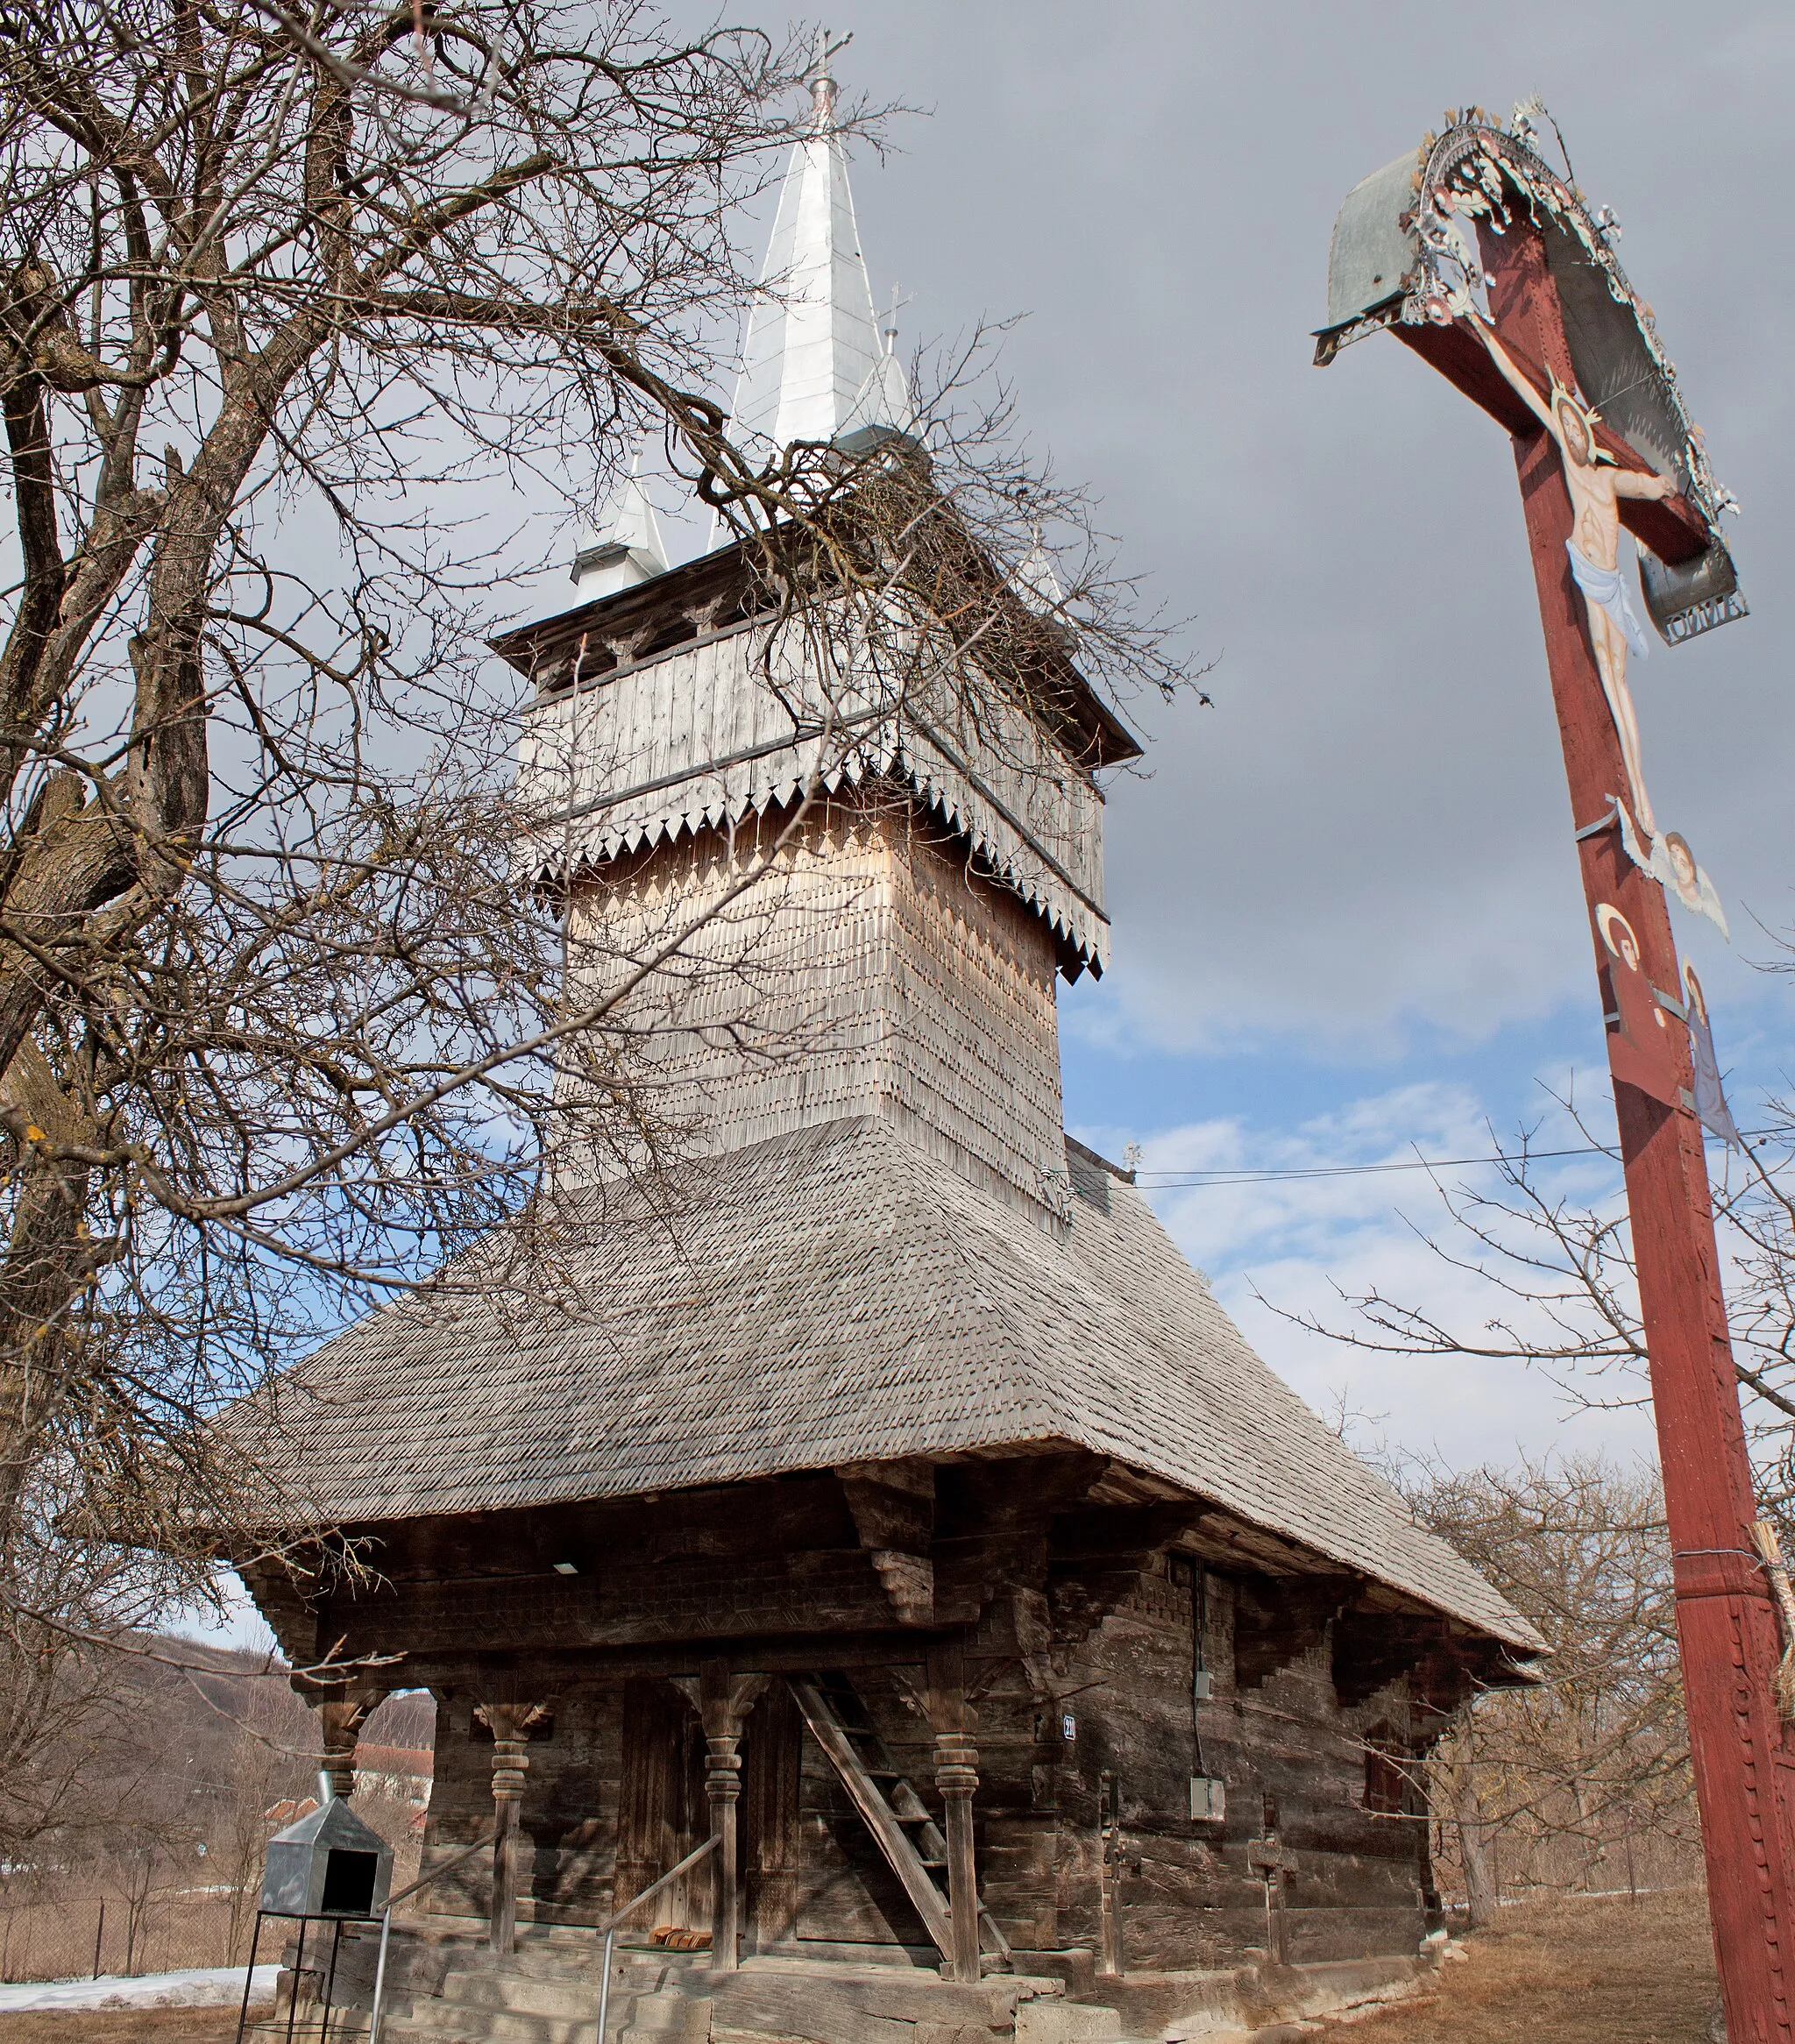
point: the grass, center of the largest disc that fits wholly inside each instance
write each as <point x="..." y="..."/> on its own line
<point x="1572" y="1970"/>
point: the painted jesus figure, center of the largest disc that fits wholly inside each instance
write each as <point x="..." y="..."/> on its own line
<point x="1596" y="483"/>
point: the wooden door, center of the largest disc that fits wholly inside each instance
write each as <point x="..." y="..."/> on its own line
<point x="663" y="1812"/>
<point x="771" y="1835"/>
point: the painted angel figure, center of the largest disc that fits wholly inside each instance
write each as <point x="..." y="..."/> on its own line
<point x="1673" y="865"/>
<point x="1710" y="1102"/>
<point x="1596" y="483"/>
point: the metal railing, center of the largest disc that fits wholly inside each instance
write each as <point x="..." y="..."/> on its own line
<point x="392" y="1902"/>
<point x="647" y="1894"/>
<point x="628" y="1909"/>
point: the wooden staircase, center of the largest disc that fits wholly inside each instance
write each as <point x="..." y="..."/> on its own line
<point x="889" y="1806"/>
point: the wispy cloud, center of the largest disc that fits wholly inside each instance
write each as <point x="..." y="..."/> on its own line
<point x="1304" y="1245"/>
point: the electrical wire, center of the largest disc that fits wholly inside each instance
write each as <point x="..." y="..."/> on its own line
<point x="1166" y="1181"/>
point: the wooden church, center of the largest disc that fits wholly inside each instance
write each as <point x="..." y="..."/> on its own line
<point x="905" y="1513"/>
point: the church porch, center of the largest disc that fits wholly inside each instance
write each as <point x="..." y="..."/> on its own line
<point x="1095" y="1668"/>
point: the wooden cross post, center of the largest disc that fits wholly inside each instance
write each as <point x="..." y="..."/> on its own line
<point x="1726" y="1624"/>
<point x="1274" y="1864"/>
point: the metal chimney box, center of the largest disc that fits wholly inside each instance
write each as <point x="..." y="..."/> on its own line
<point x="328" y="1864"/>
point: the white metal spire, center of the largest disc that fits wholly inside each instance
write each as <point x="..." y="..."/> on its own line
<point x="1037" y="579"/>
<point x="814" y="365"/>
<point x="627" y="548"/>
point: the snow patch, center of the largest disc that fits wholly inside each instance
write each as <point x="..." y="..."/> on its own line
<point x="192" y="1987"/>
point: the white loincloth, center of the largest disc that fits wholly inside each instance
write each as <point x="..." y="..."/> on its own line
<point x="1604" y="588"/>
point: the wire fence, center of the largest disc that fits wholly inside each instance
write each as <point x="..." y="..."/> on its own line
<point x="77" y="1927"/>
<point x="83" y="1937"/>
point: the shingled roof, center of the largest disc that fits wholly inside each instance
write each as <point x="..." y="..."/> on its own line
<point x="837" y="1295"/>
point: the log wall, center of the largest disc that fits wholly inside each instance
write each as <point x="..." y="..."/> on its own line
<point x="1084" y="1626"/>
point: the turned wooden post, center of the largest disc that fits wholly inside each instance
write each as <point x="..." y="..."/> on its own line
<point x="510" y="1726"/>
<point x="723" y="1786"/>
<point x="723" y="1700"/>
<point x="342" y="1713"/>
<point x="957" y="1777"/>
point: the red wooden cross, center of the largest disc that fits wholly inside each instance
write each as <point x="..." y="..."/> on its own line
<point x="1726" y="1624"/>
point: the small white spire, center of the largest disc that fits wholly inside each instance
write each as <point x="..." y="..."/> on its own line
<point x="813" y="366"/>
<point x="626" y="546"/>
<point x="1037" y="580"/>
<point x="883" y="400"/>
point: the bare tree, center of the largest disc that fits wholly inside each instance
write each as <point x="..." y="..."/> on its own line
<point x="261" y="1768"/>
<point x="1592" y="1754"/>
<point x="1558" y="1275"/>
<point x="1594" y="1757"/>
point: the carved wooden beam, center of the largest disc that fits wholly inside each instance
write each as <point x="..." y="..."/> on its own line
<point x="893" y="1504"/>
<point x="343" y="1709"/>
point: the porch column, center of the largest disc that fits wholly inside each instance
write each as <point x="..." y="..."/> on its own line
<point x="723" y="1702"/>
<point x="342" y="1713"/>
<point x="957" y="1777"/>
<point x="510" y="1726"/>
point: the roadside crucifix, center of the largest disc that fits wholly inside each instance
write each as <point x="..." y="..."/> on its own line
<point x="1479" y="258"/>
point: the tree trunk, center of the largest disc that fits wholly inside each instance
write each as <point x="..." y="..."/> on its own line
<point x="1479" y="1889"/>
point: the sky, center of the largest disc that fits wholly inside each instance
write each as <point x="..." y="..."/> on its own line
<point x="1348" y="927"/>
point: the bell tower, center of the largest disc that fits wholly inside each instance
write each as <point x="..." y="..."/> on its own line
<point x="866" y="877"/>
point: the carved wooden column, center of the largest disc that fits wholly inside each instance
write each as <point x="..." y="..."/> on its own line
<point x="723" y="1700"/>
<point x="1273" y="1864"/>
<point x="342" y="1713"/>
<point x="1112" y="1958"/>
<point x="957" y="1777"/>
<point x="510" y="1726"/>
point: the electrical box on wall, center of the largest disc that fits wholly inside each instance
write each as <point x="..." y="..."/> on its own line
<point x="1203" y="1686"/>
<point x="1209" y="1797"/>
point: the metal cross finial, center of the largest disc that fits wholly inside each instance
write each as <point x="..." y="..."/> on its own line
<point x="888" y="326"/>
<point x="822" y="86"/>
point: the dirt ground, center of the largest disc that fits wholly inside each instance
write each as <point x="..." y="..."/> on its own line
<point x="1576" y="1970"/>
<point x="1572" y="1971"/>
<point x="119" y="2026"/>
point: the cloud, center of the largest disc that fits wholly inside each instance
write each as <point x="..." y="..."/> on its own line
<point x="1291" y="1245"/>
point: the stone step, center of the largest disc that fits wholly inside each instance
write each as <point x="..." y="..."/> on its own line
<point x="546" y="1962"/>
<point x="522" y="1994"/>
<point x="667" y="2018"/>
<point x="664" y="2018"/>
<point x="438" y="2018"/>
<point x="649" y="1964"/>
<point x="1056" y="2021"/>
